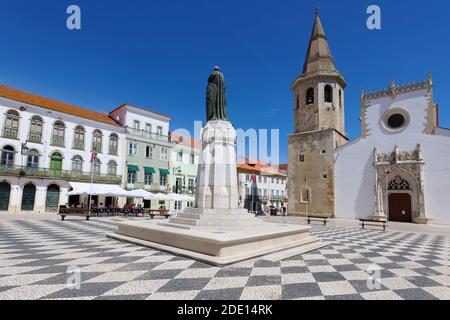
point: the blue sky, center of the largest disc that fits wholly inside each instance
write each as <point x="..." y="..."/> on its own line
<point x="158" y="53"/>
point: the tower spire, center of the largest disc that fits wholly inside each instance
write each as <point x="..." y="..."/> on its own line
<point x="319" y="55"/>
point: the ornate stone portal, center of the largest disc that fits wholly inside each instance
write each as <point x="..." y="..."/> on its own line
<point x="217" y="231"/>
<point x="399" y="173"/>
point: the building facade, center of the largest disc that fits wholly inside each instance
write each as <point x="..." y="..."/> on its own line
<point x="398" y="169"/>
<point x="46" y="144"/>
<point x="148" y="149"/>
<point x="260" y="185"/>
<point x="185" y="160"/>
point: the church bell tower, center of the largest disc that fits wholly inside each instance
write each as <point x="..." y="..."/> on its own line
<point x="319" y="129"/>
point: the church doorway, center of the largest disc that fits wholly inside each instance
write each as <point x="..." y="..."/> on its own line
<point x="400" y="207"/>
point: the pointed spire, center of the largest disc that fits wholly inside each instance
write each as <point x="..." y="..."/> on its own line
<point x="319" y="55"/>
<point x="430" y="80"/>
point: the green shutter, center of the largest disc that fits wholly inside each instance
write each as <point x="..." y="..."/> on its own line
<point x="164" y="171"/>
<point x="149" y="170"/>
<point x="132" y="168"/>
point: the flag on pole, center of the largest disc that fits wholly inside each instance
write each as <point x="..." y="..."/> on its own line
<point x="93" y="156"/>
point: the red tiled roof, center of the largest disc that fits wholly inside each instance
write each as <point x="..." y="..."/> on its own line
<point x="185" y="140"/>
<point x="29" y="98"/>
<point x="258" y="167"/>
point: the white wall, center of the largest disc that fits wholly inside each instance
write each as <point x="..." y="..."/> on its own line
<point x="354" y="172"/>
<point x="45" y="149"/>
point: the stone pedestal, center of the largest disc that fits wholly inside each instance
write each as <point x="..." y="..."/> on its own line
<point x="217" y="231"/>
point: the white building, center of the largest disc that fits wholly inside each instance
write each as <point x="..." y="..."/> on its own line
<point x="399" y="168"/>
<point x="59" y="138"/>
<point x="270" y="183"/>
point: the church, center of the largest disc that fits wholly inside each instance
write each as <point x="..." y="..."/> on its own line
<point x="397" y="170"/>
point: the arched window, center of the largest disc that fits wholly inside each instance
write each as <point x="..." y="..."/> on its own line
<point x="58" y="134"/>
<point x="96" y="166"/>
<point x="52" y="198"/>
<point x="11" y="129"/>
<point x="297" y="102"/>
<point x="113" y="144"/>
<point x="77" y="164"/>
<point x="8" y="156"/>
<point x="310" y="96"/>
<point x="97" y="141"/>
<point x="78" y="138"/>
<point x="56" y="164"/>
<point x="35" y="134"/>
<point x="328" y="91"/>
<point x="33" y="159"/>
<point x="112" y="168"/>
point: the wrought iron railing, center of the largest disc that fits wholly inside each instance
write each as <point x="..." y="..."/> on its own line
<point x="154" y="187"/>
<point x="35" y="137"/>
<point x="78" y="145"/>
<point x="10" y="133"/>
<point x="148" y="135"/>
<point x="70" y="175"/>
<point x="57" y="141"/>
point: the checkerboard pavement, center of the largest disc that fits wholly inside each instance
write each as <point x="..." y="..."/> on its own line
<point x="35" y="256"/>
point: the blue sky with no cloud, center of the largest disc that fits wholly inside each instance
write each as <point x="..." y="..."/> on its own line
<point x="158" y="54"/>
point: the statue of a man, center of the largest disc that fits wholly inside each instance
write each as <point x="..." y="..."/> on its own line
<point x="216" y="105"/>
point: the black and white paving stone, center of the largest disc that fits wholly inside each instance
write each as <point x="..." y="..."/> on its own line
<point x="37" y="259"/>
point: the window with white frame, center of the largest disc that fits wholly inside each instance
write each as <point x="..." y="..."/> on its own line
<point x="148" y="179"/>
<point x="131" y="177"/>
<point x="180" y="156"/>
<point x="149" y="152"/>
<point x="162" y="180"/>
<point x="159" y="130"/>
<point x="192" y="159"/>
<point x="136" y="125"/>
<point x="132" y="149"/>
<point x="164" y="154"/>
<point x="148" y="127"/>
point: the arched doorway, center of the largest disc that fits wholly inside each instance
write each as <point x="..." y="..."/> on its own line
<point x="28" y="197"/>
<point x="400" y="200"/>
<point x="55" y="164"/>
<point x="52" y="198"/>
<point x="5" y="191"/>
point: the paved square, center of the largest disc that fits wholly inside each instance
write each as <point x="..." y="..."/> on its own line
<point x="35" y="256"/>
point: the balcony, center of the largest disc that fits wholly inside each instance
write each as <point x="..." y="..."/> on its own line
<point x="148" y="135"/>
<point x="69" y="175"/>
<point x="10" y="133"/>
<point x="57" y="142"/>
<point x="154" y="188"/>
<point x="183" y="190"/>
<point x="35" y="137"/>
<point x="78" y="145"/>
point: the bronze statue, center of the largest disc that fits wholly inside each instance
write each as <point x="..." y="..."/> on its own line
<point x="216" y="105"/>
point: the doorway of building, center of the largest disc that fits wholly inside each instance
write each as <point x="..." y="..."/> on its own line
<point x="400" y="207"/>
<point x="28" y="196"/>
<point x="5" y="191"/>
<point x="56" y="164"/>
<point x="52" y="198"/>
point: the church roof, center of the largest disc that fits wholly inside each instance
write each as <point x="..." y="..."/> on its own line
<point x="319" y="55"/>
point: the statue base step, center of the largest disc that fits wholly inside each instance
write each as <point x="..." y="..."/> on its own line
<point x="219" y="243"/>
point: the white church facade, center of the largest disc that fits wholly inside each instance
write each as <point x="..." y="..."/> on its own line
<point x="397" y="170"/>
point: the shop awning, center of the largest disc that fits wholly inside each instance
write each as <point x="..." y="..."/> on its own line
<point x="149" y="170"/>
<point x="132" y="168"/>
<point x="164" y="171"/>
<point x="109" y="190"/>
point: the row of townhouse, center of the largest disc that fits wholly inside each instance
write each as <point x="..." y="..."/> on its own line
<point x="46" y="149"/>
<point x="261" y="184"/>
